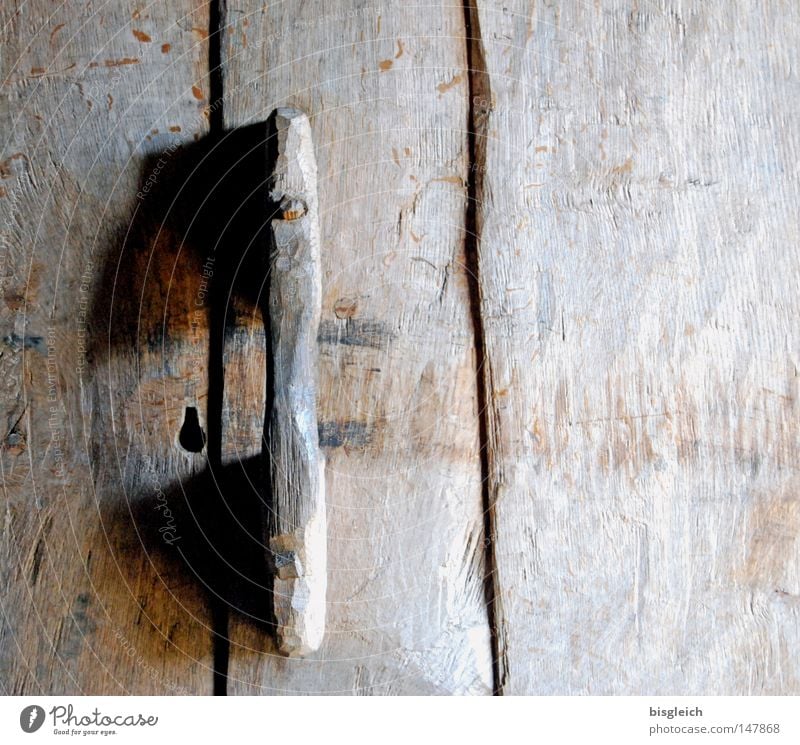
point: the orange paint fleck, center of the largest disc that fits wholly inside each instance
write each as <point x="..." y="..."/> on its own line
<point x="122" y="61"/>
<point x="444" y="87"/>
<point x="541" y="149"/>
<point x="55" y="30"/>
<point x="165" y="48"/>
<point x="385" y="65"/>
<point x="400" y="49"/>
<point x="449" y="180"/>
<point x="5" y="166"/>
<point x="141" y="36"/>
<point x="200" y="33"/>
<point x="197" y="93"/>
<point x="153" y="131"/>
<point x="174" y="128"/>
<point x="345" y="307"/>
<point x="38" y="71"/>
<point x="407" y="151"/>
<point x="395" y="156"/>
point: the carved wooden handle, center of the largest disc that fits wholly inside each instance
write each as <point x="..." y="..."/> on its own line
<point x="297" y="525"/>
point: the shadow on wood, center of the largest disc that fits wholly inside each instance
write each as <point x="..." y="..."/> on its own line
<point x="189" y="260"/>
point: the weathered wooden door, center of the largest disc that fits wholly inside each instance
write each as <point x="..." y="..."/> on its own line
<point x="558" y="348"/>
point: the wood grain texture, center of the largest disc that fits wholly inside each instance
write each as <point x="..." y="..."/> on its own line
<point x="297" y="534"/>
<point x="100" y="357"/>
<point x="386" y="96"/>
<point x="638" y="272"/>
<point x="635" y="169"/>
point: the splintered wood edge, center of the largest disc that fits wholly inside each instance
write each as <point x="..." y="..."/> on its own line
<point x="294" y="178"/>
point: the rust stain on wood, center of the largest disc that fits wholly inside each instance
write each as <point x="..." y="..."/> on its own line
<point x="122" y="62"/>
<point x="345" y="307"/>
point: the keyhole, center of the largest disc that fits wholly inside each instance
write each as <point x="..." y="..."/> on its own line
<point x="191" y="438"/>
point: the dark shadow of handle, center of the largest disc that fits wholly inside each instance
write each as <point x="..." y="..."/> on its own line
<point x="209" y="199"/>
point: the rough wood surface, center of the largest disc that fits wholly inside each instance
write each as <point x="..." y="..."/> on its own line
<point x="386" y="97"/>
<point x="638" y="269"/>
<point x="297" y="528"/>
<point x="99" y="360"/>
<point x="635" y="224"/>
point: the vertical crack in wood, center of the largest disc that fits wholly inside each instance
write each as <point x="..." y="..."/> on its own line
<point x="216" y="379"/>
<point x="478" y="109"/>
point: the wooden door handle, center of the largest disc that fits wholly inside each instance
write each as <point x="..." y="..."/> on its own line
<point x="297" y="539"/>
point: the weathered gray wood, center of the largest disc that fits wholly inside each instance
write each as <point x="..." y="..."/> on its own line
<point x="636" y="176"/>
<point x="385" y="91"/>
<point x="297" y="536"/>
<point x="95" y="596"/>
<point x="639" y="270"/>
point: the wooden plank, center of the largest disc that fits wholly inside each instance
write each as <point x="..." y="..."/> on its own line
<point x="103" y="351"/>
<point x="638" y="272"/>
<point x="385" y="89"/>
